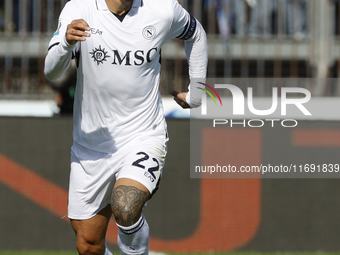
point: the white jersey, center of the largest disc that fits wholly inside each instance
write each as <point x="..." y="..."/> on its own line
<point x="118" y="68"/>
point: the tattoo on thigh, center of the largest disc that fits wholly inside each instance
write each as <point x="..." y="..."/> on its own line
<point x="127" y="203"/>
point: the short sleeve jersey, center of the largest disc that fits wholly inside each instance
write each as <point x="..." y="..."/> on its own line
<point x="118" y="68"/>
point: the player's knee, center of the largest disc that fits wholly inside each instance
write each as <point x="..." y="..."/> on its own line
<point x="86" y="247"/>
<point x="127" y="203"/>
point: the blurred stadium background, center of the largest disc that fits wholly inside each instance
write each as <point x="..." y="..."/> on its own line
<point x="273" y="38"/>
<point x="247" y="39"/>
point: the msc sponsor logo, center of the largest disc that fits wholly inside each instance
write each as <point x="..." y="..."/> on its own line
<point x="99" y="55"/>
<point x="137" y="58"/>
<point x="129" y="58"/>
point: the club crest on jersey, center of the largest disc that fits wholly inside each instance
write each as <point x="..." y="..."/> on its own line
<point x="149" y="32"/>
<point x="99" y="55"/>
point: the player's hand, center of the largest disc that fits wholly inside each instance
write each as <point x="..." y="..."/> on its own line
<point x="179" y="97"/>
<point x="76" y="31"/>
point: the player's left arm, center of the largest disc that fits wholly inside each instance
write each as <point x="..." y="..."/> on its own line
<point x="189" y="29"/>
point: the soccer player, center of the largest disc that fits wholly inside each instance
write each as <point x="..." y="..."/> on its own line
<point x="120" y="131"/>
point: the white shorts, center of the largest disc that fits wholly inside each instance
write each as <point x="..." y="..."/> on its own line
<point x="93" y="173"/>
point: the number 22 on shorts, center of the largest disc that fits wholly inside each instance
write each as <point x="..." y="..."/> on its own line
<point x="150" y="171"/>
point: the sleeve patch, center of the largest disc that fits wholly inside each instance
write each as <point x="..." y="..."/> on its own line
<point x="58" y="30"/>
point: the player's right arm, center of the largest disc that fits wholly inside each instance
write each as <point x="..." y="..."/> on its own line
<point x="64" y="42"/>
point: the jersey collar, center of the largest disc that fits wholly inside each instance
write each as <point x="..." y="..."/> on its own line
<point x="101" y="5"/>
